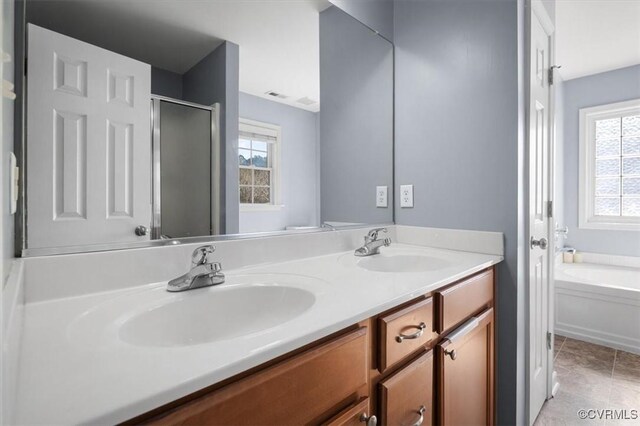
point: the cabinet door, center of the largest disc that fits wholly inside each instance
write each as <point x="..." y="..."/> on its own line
<point x="465" y="373"/>
<point x="407" y="396"/>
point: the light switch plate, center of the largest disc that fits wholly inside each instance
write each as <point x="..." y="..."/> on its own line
<point x="381" y="196"/>
<point x="406" y="196"/>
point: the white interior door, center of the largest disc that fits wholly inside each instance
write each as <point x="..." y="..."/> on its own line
<point x="88" y="143"/>
<point x="541" y="245"/>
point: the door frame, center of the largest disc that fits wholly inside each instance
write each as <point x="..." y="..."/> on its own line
<point x="534" y="9"/>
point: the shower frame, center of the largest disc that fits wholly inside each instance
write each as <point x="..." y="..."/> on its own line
<point x="156" y="197"/>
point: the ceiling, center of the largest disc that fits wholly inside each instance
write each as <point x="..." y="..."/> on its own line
<point x="594" y="36"/>
<point x="278" y="39"/>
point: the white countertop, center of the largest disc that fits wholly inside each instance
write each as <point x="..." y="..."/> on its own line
<point x="74" y="369"/>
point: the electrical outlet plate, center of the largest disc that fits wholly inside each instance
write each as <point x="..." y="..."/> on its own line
<point x="381" y="196"/>
<point x="406" y="196"/>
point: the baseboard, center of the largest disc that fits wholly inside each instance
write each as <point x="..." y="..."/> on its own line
<point x="599" y="339"/>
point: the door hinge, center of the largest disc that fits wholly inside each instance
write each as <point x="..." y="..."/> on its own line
<point x="25" y="66"/>
<point x="549" y="335"/>
<point x="549" y="208"/>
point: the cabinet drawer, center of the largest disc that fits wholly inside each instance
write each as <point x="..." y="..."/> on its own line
<point x="356" y="415"/>
<point x="407" y="396"/>
<point x="458" y="302"/>
<point x="404" y="332"/>
<point x="304" y="389"/>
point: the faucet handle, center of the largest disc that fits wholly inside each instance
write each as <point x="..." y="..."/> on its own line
<point x="373" y="234"/>
<point x="200" y="255"/>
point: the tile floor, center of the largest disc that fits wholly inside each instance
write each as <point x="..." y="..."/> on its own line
<point x="592" y="377"/>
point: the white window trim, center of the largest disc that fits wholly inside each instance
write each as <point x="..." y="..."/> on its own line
<point x="588" y="117"/>
<point x="254" y="126"/>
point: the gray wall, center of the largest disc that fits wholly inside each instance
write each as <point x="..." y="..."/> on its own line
<point x="598" y="89"/>
<point x="7" y="140"/>
<point x="376" y="14"/>
<point x="166" y="83"/>
<point x="459" y="141"/>
<point x="216" y="79"/>
<point x="356" y="119"/>
<point x="299" y="183"/>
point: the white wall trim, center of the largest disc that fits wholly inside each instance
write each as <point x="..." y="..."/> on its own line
<point x="588" y="116"/>
<point x="544" y="18"/>
<point x="604" y="339"/>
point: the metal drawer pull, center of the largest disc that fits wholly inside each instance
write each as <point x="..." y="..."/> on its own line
<point x="415" y="335"/>
<point x="463" y="330"/>
<point x="369" y="420"/>
<point x="452" y="353"/>
<point x="421" y="419"/>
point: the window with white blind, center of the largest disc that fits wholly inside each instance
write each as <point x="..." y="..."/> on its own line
<point x="610" y="166"/>
<point x="258" y="147"/>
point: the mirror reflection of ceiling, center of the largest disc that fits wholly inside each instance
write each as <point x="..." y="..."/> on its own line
<point x="595" y="36"/>
<point x="278" y="39"/>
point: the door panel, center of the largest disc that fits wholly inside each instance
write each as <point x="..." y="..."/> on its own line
<point x="539" y="220"/>
<point x="88" y="143"/>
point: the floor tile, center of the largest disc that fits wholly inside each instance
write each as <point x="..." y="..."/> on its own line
<point x="585" y="362"/>
<point x="591" y="349"/>
<point x="563" y="410"/>
<point x="558" y="340"/>
<point x="593" y="386"/>
<point x="625" y="397"/>
<point x="626" y="371"/>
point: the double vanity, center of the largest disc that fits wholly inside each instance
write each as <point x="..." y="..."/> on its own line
<point x="291" y="336"/>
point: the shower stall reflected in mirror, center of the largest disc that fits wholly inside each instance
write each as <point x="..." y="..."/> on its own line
<point x="186" y="169"/>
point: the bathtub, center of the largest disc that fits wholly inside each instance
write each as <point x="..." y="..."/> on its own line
<point x="598" y="303"/>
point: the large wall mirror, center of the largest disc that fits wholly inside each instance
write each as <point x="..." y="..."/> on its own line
<point x="151" y="122"/>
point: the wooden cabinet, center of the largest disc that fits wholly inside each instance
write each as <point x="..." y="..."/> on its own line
<point x="356" y="415"/>
<point x="396" y="366"/>
<point x="305" y="389"/>
<point x="407" y="395"/>
<point x="404" y="331"/>
<point x="465" y="373"/>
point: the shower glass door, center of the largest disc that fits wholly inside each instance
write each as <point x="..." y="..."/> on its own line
<point x="184" y="164"/>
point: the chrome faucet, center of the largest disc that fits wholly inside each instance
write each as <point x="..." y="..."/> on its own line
<point x="372" y="244"/>
<point x="203" y="273"/>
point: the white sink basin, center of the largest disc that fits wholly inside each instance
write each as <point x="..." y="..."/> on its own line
<point x="402" y="263"/>
<point x="150" y="316"/>
<point x="218" y="315"/>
